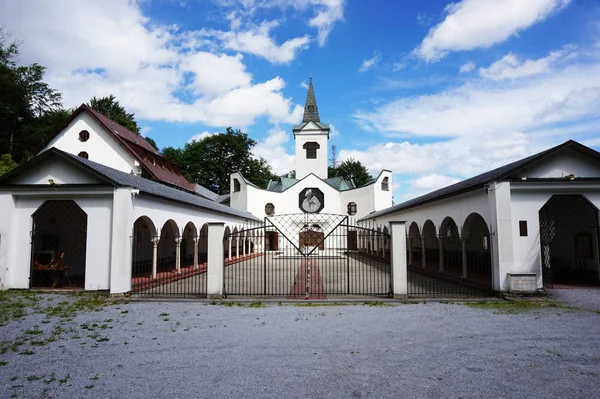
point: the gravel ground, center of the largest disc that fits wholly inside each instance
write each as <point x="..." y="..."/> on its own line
<point x="195" y="349"/>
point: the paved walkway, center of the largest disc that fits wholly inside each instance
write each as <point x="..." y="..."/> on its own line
<point x="195" y="349"/>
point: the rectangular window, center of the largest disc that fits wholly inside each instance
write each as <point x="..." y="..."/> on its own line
<point x="523" y="228"/>
<point x="311" y="153"/>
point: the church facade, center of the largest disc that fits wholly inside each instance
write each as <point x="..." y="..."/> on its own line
<point x="311" y="191"/>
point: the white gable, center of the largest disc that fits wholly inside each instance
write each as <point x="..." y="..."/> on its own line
<point x="563" y="164"/>
<point x="56" y="171"/>
<point x="101" y="146"/>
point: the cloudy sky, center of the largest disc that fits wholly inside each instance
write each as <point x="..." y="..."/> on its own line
<point x="436" y="91"/>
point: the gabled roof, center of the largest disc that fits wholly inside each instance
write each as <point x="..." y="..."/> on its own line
<point x="481" y="180"/>
<point x="151" y="160"/>
<point x="340" y="184"/>
<point x="118" y="178"/>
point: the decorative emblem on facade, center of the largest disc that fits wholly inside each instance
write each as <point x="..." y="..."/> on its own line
<point x="311" y="200"/>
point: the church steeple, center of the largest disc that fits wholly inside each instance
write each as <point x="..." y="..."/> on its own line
<point x="311" y="111"/>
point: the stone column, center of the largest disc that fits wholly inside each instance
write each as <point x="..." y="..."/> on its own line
<point x="237" y="247"/>
<point x="155" y="241"/>
<point x="399" y="272"/>
<point x="196" y="240"/>
<point x="178" y="255"/>
<point x="244" y="246"/>
<point x="216" y="263"/>
<point x="229" y="252"/>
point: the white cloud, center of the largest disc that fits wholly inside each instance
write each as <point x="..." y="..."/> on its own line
<point x="509" y="67"/>
<point x="471" y="24"/>
<point x="479" y="107"/>
<point x="257" y="40"/>
<point x="370" y="62"/>
<point x="201" y="136"/>
<point x="155" y="71"/>
<point x="433" y="181"/>
<point x="333" y="132"/>
<point x="468" y="67"/>
<point x="273" y="150"/>
<point x="326" y="12"/>
<point x="303" y="84"/>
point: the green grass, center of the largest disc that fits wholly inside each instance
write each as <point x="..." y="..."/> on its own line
<point x="515" y="307"/>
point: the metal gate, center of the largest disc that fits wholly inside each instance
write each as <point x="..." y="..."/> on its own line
<point x="307" y="256"/>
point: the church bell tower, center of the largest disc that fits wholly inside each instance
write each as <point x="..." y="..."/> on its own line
<point x="312" y="140"/>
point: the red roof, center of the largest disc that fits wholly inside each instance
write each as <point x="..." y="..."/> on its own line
<point x="151" y="160"/>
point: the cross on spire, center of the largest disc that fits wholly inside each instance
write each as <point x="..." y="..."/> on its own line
<point x="311" y="111"/>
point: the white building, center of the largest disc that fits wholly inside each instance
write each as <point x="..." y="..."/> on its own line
<point x="537" y="218"/>
<point x="311" y="191"/>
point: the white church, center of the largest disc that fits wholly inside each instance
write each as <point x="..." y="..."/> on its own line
<point x="312" y="191"/>
<point x="99" y="209"/>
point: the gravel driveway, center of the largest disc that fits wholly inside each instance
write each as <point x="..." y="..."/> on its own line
<point x="395" y="350"/>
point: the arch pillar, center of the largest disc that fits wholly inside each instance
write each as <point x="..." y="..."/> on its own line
<point x="178" y="255"/>
<point x="196" y="240"/>
<point x="155" y="241"/>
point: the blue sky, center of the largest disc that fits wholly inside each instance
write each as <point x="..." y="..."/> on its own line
<point x="434" y="91"/>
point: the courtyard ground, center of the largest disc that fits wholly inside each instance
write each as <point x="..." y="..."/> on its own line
<point x="63" y="346"/>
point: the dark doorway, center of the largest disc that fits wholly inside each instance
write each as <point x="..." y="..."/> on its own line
<point x="58" y="253"/>
<point x="272" y="241"/>
<point x="569" y="241"/>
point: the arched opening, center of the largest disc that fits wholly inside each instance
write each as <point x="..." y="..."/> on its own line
<point x="59" y="244"/>
<point x="479" y="256"/>
<point x="569" y="241"/>
<point x="188" y="245"/>
<point x="203" y="244"/>
<point x="449" y="239"/>
<point x="227" y="242"/>
<point x="414" y="245"/>
<point x="386" y="243"/>
<point x="142" y="244"/>
<point x="167" y="246"/>
<point x="432" y="252"/>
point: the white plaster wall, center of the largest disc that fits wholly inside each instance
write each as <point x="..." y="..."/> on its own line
<point x="60" y="171"/>
<point x="101" y="146"/>
<point x="563" y="164"/>
<point x="364" y="197"/>
<point x="7" y="216"/>
<point x="18" y="257"/>
<point x="458" y="207"/>
<point x="160" y="211"/>
<point x="318" y="166"/>
<point x="527" y="200"/>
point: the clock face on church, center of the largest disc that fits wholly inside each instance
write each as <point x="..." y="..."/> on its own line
<point x="311" y="200"/>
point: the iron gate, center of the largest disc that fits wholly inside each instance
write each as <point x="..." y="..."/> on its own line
<point x="307" y="256"/>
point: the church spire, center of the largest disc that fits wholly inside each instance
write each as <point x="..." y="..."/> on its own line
<point x="311" y="111"/>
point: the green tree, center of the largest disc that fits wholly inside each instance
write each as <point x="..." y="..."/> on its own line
<point x="210" y="161"/>
<point x="151" y="142"/>
<point x="27" y="104"/>
<point x="352" y="169"/>
<point x="6" y="164"/>
<point x="110" y="107"/>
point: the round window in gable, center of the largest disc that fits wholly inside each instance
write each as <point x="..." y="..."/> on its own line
<point x="352" y="208"/>
<point x="84" y="135"/>
<point x="270" y="209"/>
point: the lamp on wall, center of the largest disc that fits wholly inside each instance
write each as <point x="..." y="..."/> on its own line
<point x="571" y="176"/>
<point x="51" y="182"/>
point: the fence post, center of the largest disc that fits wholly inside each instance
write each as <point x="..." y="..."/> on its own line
<point x="398" y="261"/>
<point x="216" y="260"/>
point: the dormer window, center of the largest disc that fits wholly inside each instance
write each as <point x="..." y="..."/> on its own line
<point x="236" y="185"/>
<point x="84" y="135"/>
<point x="311" y="149"/>
<point x="83" y="154"/>
<point x="385" y="184"/>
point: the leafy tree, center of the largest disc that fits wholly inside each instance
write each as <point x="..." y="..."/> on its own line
<point x="27" y="104"/>
<point x="6" y="164"/>
<point x="209" y="161"/>
<point x="110" y="107"/>
<point x="290" y="175"/>
<point x="353" y="170"/>
<point x="173" y="154"/>
<point x="151" y="142"/>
